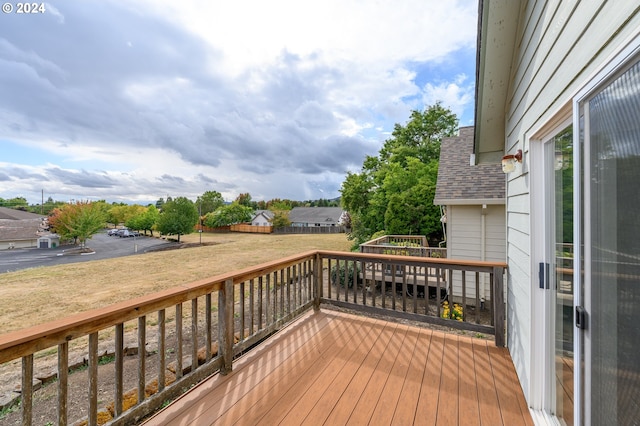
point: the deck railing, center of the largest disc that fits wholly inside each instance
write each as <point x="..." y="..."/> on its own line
<point x="228" y="314"/>
<point x="420" y="289"/>
<point x="403" y="245"/>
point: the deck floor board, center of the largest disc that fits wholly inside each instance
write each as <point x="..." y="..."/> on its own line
<point x="335" y="368"/>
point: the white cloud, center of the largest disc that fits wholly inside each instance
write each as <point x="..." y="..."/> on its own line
<point x="150" y="98"/>
<point x="457" y="94"/>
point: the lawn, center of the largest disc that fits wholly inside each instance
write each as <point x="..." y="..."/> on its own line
<point x="39" y="295"/>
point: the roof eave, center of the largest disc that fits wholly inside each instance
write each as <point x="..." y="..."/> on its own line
<point x="496" y="44"/>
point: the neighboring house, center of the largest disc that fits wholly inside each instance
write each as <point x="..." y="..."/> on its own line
<point x="262" y="218"/>
<point x="473" y="197"/>
<point x="20" y="229"/>
<point x="559" y="82"/>
<point x="316" y="216"/>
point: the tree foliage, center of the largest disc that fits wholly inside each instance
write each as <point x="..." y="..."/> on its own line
<point x="78" y="221"/>
<point x="209" y="202"/>
<point x="394" y="190"/>
<point x="178" y="217"/>
<point x="244" y="199"/>
<point x="228" y="215"/>
<point x="145" y="220"/>
<point x="280" y="219"/>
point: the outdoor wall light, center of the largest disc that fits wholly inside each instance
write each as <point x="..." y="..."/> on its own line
<point x="509" y="161"/>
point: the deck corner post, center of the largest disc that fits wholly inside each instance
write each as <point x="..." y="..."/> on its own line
<point x="225" y="326"/>
<point x="498" y="306"/>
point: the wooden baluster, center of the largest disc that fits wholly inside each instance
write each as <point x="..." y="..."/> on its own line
<point x="162" y="342"/>
<point x="260" y="302"/>
<point x="27" y="390"/>
<point x="288" y="285"/>
<point x="477" y="315"/>
<point x="383" y="286"/>
<point x="142" y="356"/>
<point x="268" y="314"/>
<point x="252" y="311"/>
<point x="208" y="326"/>
<point x="404" y="288"/>
<point x="329" y="278"/>
<point x="464" y="295"/>
<point x="119" y="369"/>
<point x="364" y="281"/>
<point x="225" y="326"/>
<point x="394" y="270"/>
<point x="178" y="340"/>
<point x="63" y="382"/>
<point x="194" y="334"/>
<point x="242" y="302"/>
<point x="438" y="301"/>
<point x="92" y="371"/>
<point x="415" y="288"/>
<point x="346" y="280"/>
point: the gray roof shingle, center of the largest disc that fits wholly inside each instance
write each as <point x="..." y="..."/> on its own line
<point x="461" y="183"/>
<point x="315" y="215"/>
<point x="13" y="214"/>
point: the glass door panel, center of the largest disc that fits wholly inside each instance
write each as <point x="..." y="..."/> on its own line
<point x="612" y="237"/>
<point x="563" y="282"/>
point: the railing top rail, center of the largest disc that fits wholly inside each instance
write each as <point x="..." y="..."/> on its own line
<point x="385" y="239"/>
<point x="30" y="340"/>
<point x="414" y="259"/>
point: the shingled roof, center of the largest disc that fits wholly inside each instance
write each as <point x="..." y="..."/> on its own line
<point x="14" y="214"/>
<point x="461" y="183"/>
<point x="325" y="215"/>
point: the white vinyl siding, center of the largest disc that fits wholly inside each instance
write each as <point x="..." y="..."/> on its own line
<point x="560" y="45"/>
<point x="464" y="241"/>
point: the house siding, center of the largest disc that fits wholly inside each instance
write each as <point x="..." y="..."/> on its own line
<point x="464" y="240"/>
<point x="560" y="46"/>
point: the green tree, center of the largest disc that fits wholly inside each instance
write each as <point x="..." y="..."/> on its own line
<point x="209" y="202"/>
<point x="245" y="200"/>
<point x="18" y="203"/>
<point x="178" y="217"/>
<point x="394" y="191"/>
<point x="77" y="221"/>
<point x="280" y="219"/>
<point x="145" y="220"/>
<point x="228" y="215"/>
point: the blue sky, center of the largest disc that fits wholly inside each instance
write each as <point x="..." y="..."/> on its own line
<point x="133" y="101"/>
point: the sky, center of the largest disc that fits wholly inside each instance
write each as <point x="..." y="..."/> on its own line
<point x="131" y="101"/>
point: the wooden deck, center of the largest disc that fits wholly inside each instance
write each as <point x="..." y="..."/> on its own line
<point x="335" y="368"/>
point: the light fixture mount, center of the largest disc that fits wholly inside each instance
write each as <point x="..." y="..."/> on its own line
<point x="509" y="161"/>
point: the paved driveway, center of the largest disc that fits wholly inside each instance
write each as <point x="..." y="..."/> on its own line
<point x="105" y="247"/>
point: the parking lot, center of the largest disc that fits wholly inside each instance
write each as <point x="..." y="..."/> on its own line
<point x="104" y="247"/>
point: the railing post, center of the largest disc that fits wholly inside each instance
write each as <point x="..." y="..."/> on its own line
<point x="27" y="390"/>
<point x="317" y="278"/>
<point x="225" y="326"/>
<point x="498" y="305"/>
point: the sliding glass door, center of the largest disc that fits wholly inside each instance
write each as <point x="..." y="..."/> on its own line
<point x="610" y="146"/>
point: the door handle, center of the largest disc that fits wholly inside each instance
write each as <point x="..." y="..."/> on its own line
<point x="581" y="318"/>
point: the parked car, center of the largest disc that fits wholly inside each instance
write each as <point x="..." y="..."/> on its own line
<point x="134" y="233"/>
<point x="112" y="232"/>
<point x="123" y="233"/>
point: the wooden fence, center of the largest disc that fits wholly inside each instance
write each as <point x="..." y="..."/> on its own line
<point x="248" y="228"/>
<point x="310" y="230"/>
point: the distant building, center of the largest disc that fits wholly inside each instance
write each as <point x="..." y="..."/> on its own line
<point x="316" y="216"/>
<point x="262" y="218"/>
<point x="20" y="229"/>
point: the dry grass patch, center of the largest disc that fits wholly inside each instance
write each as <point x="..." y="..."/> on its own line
<point x="39" y="295"/>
